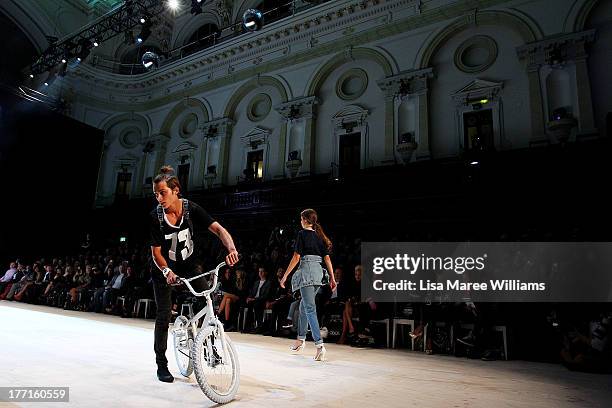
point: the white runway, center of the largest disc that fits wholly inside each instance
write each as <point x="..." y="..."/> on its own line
<point x="109" y="362"/>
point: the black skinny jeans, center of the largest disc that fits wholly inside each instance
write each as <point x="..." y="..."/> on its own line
<point x="163" y="300"/>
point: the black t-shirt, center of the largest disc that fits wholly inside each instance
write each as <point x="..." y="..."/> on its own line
<point x="176" y="241"/>
<point x="309" y="243"/>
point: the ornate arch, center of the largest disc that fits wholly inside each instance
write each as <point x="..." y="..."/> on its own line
<point x="527" y="29"/>
<point x="352" y="54"/>
<point x="179" y="108"/>
<point x="254" y="83"/>
<point x="32" y="21"/>
<point x="578" y="24"/>
<point x="128" y="118"/>
<point x="193" y="24"/>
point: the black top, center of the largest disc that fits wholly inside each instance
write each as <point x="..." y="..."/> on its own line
<point x="176" y="240"/>
<point x="309" y="243"/>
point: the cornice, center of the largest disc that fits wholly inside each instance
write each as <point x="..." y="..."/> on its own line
<point x="301" y="39"/>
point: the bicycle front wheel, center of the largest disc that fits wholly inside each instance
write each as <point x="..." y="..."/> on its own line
<point x="216" y="366"/>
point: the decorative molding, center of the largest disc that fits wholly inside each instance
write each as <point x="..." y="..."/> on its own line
<point x="350" y="116"/>
<point x="321" y="22"/>
<point x="477" y="90"/>
<point x="253" y="105"/>
<point x="569" y="47"/>
<point x="406" y="83"/>
<point x="255" y="137"/>
<point x="482" y="42"/>
<point x="126" y="160"/>
<point x="354" y="73"/>
<point x="218" y="127"/>
<point x="298" y="108"/>
<point x="185" y="147"/>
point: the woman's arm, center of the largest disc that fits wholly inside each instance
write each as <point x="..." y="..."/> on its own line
<point x="294" y="261"/>
<point x="330" y="269"/>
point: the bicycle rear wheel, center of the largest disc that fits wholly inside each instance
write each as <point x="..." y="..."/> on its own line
<point x="216" y="366"/>
<point x="183" y="344"/>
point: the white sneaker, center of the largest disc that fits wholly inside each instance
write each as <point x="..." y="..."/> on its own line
<point x="320" y="356"/>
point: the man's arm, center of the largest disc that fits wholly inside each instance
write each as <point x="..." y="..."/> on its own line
<point x="161" y="263"/>
<point x="227" y="241"/>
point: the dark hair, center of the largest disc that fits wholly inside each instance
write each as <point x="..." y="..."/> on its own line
<point x="311" y="216"/>
<point x="166" y="173"/>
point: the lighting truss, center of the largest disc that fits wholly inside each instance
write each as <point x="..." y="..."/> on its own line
<point x="117" y="21"/>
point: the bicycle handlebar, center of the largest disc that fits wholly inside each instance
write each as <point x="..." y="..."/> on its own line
<point x="213" y="287"/>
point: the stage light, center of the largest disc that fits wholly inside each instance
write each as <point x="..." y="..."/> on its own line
<point x="143" y="20"/>
<point x="150" y="60"/>
<point x="63" y="60"/>
<point x="483" y="101"/>
<point x="31" y="75"/>
<point x="173" y="5"/>
<point x="46" y="84"/>
<point x="474" y="163"/>
<point x="95" y="44"/>
<point x="252" y="20"/>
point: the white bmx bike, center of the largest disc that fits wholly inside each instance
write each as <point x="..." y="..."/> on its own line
<point x="207" y="350"/>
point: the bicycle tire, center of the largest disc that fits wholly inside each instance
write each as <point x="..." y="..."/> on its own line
<point x="200" y="364"/>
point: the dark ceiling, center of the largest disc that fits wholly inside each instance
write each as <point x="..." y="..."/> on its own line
<point x="16" y="50"/>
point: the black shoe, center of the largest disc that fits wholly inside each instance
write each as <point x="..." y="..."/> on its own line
<point x="164" y="375"/>
<point x="490" y="355"/>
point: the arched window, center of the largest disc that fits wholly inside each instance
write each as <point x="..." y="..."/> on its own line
<point x="204" y="37"/>
<point x="131" y="61"/>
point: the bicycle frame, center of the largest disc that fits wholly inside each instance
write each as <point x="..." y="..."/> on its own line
<point x="210" y="321"/>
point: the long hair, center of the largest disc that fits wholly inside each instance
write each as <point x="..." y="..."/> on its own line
<point x="166" y="173"/>
<point x="240" y="279"/>
<point x="311" y="216"/>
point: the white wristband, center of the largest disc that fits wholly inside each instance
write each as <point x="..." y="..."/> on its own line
<point x="165" y="271"/>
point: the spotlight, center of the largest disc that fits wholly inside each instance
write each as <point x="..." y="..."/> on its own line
<point x="95" y="44"/>
<point x="196" y="7"/>
<point x="46" y="83"/>
<point x="150" y="60"/>
<point x="252" y="20"/>
<point x="173" y="5"/>
<point x="31" y="75"/>
<point x="63" y="60"/>
<point x="474" y="163"/>
<point x="143" y="20"/>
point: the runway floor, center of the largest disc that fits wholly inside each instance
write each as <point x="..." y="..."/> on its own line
<point x="108" y="361"/>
